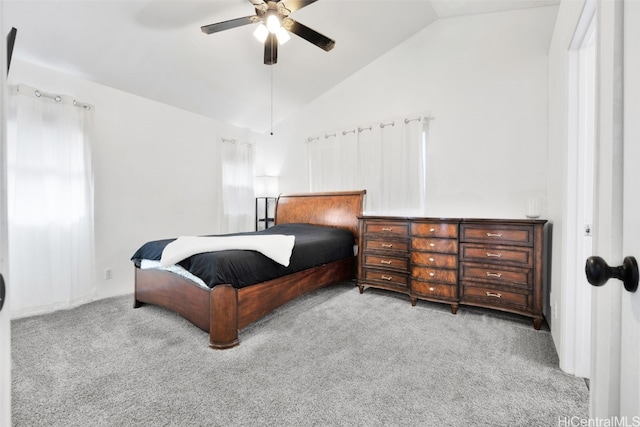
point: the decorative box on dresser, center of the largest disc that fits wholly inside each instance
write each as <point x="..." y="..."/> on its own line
<point x="492" y="263"/>
<point x="501" y="265"/>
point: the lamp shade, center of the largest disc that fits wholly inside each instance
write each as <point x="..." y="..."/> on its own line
<point x="261" y="32"/>
<point x="282" y="35"/>
<point x="266" y="186"/>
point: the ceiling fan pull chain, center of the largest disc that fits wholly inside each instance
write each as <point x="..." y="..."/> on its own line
<point x="271" y="68"/>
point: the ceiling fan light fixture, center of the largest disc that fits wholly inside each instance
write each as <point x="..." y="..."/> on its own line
<point x="273" y="23"/>
<point x="261" y="32"/>
<point x="282" y="36"/>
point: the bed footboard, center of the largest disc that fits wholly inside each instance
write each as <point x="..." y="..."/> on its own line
<point x="234" y="309"/>
<point x="180" y="295"/>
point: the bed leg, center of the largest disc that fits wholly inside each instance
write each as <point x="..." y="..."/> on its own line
<point x="223" y="315"/>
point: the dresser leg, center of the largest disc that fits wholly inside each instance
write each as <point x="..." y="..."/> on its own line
<point x="454" y="308"/>
<point x="413" y="300"/>
<point x="537" y="322"/>
<point x="361" y="288"/>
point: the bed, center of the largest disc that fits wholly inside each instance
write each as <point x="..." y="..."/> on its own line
<point x="223" y="309"/>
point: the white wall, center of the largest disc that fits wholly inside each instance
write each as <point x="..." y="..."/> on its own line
<point x="154" y="170"/>
<point x="484" y="78"/>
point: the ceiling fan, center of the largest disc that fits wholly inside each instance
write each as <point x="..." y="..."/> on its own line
<point x="275" y="23"/>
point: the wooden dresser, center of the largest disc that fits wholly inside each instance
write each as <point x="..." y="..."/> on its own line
<point x="489" y="263"/>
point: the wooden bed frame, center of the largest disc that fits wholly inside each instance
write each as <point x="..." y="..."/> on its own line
<point x="223" y="310"/>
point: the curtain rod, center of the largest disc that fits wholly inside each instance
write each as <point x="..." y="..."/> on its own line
<point x="370" y="127"/>
<point x="56" y="98"/>
<point x="20" y="88"/>
<point x="235" y="141"/>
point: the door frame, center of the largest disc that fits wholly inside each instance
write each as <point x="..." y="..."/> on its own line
<point x="576" y="321"/>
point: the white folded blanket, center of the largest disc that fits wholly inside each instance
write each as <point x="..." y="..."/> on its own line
<point x="278" y="247"/>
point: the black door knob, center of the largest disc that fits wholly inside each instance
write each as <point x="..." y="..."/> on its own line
<point x="598" y="272"/>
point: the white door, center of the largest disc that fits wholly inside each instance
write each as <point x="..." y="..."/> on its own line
<point x="5" y="331"/>
<point x="615" y="370"/>
<point x="630" y="324"/>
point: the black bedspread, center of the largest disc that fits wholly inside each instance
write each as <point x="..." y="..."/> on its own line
<point x="314" y="245"/>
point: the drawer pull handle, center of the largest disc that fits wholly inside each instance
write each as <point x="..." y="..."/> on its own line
<point x="491" y="294"/>
<point x="432" y="289"/>
<point x="433" y="245"/>
<point x="431" y="259"/>
<point x="490" y="274"/>
<point x="387" y="228"/>
<point x="494" y="234"/>
<point x="384" y="261"/>
<point x="432" y="274"/>
<point x="383" y="277"/>
<point x="387" y="245"/>
<point x="432" y="230"/>
<point x="489" y="254"/>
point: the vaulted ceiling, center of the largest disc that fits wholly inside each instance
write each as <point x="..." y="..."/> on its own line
<point x="155" y="48"/>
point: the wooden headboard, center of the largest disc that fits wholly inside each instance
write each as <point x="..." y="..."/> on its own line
<point x="339" y="209"/>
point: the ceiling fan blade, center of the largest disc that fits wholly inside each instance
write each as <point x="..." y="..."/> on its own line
<point x="293" y="5"/>
<point x="312" y="36"/>
<point x="232" y="23"/>
<point x="271" y="49"/>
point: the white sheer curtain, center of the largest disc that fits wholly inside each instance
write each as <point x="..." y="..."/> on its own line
<point x="237" y="186"/>
<point x="387" y="159"/>
<point x="50" y="201"/>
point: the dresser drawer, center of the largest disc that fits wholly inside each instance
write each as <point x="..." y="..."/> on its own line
<point x="516" y="255"/>
<point x="372" y="244"/>
<point x="435" y="274"/>
<point x="435" y="229"/>
<point x="386" y="228"/>
<point x="381" y="261"/>
<point x="498" y="274"/>
<point x="520" y="235"/>
<point x="434" y="289"/>
<point x="432" y="259"/>
<point x="386" y="277"/>
<point x="435" y="245"/>
<point x="487" y="296"/>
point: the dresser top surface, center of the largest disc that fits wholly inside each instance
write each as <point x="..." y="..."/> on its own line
<point x="460" y="220"/>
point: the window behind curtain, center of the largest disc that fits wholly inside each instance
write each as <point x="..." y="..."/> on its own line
<point x="387" y="159"/>
<point x="237" y="186"/>
<point x="50" y="201"/>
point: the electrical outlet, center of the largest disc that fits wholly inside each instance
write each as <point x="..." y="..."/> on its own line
<point x="108" y="274"/>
